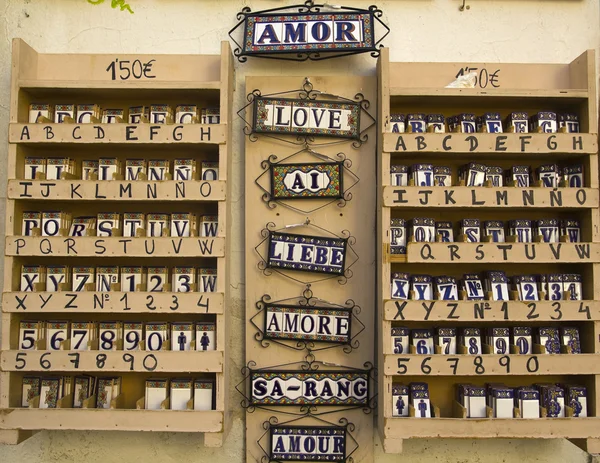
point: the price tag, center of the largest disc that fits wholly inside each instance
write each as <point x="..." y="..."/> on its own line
<point x="131" y="70"/>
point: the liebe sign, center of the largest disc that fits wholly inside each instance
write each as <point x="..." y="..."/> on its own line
<point x="307" y="253"/>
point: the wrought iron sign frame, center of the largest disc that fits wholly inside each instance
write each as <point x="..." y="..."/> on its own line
<point x="308" y="365"/>
<point x="345" y="235"/>
<point x="342" y="425"/>
<point x="347" y="180"/>
<point x="307" y="94"/>
<point x="309" y="302"/>
<point x="309" y="51"/>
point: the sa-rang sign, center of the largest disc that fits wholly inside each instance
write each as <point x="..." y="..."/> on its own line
<point x="336" y="388"/>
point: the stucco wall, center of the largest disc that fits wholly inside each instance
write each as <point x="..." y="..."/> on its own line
<point x="422" y="30"/>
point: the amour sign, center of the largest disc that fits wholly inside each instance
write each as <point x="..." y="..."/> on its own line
<point x="307" y="443"/>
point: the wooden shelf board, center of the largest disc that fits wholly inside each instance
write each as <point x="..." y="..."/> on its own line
<point x="85" y="361"/>
<point x="476" y="428"/>
<point x="94" y="190"/>
<point x="111" y="420"/>
<point x="114" y="246"/>
<point x="490" y="311"/>
<point x="483" y="197"/>
<point x="465" y="365"/>
<point x="126" y="134"/>
<point x="123" y="85"/>
<point x="463" y="253"/>
<point x="113" y="302"/>
<point x="491" y="143"/>
<point x="576" y="94"/>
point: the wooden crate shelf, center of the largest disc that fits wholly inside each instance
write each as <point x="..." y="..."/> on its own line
<point x="74" y="85"/>
<point x="495" y="93"/>
<point x="113" y="302"/>
<point x="202" y="80"/>
<point x="483" y="197"/>
<point x="111" y="420"/>
<point x="114" y="134"/>
<point x="419" y="88"/>
<point x="480" y="428"/>
<point x="493" y="253"/>
<point x="87" y="361"/>
<point x="491" y="364"/>
<point x="490" y="311"/>
<point x="111" y="246"/>
<point x="94" y="190"/>
<point x="500" y="144"/>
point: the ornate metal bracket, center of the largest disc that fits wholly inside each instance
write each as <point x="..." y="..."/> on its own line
<point x="269" y="329"/>
<point x="346" y="40"/>
<point x="270" y="233"/>
<point x="307" y="426"/>
<point x="341" y="180"/>
<point x="308" y="94"/>
<point x="312" y="367"/>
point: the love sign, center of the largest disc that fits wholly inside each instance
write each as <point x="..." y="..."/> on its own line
<point x="306" y="117"/>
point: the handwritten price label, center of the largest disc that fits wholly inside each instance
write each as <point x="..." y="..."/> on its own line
<point x="128" y="69"/>
<point x="484" y="77"/>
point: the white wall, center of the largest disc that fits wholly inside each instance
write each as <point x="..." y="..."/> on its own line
<point x="422" y="30"/>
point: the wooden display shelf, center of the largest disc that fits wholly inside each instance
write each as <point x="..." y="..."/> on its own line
<point x="159" y="303"/>
<point x="491" y="364"/>
<point x="420" y="88"/>
<point x="87" y="361"/>
<point x="494" y="253"/>
<point x="484" y="428"/>
<point x="116" y="190"/>
<point x="484" y="197"/>
<point x="490" y="311"/>
<point x="113" y="246"/>
<point x="117" y="81"/>
<point x="464" y="93"/>
<point x="449" y="144"/>
<point x="123" y="134"/>
<point x="110" y="420"/>
<point x="123" y="85"/>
